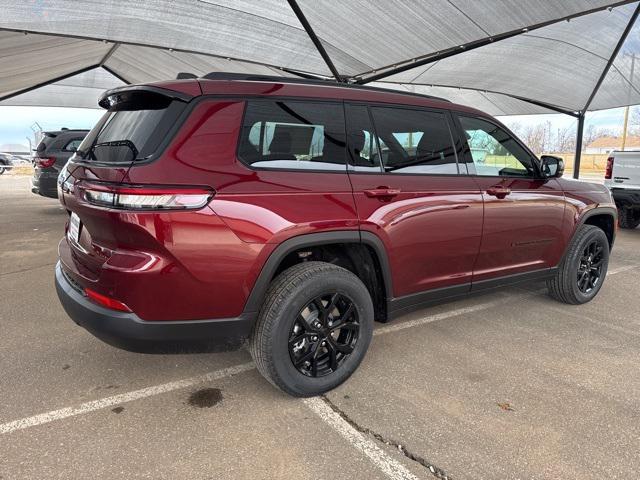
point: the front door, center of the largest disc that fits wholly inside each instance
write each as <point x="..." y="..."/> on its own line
<point x="408" y="192"/>
<point x="523" y="212"/>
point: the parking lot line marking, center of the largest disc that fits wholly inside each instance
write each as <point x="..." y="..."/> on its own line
<point x="122" y="398"/>
<point x="217" y="375"/>
<point x="510" y="297"/>
<point x="622" y="269"/>
<point x="438" y="316"/>
<point x="389" y="466"/>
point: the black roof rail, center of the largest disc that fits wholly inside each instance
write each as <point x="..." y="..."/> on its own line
<point x="309" y="81"/>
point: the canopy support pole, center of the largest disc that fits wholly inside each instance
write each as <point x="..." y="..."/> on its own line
<point x="314" y="38"/>
<point x="614" y="54"/>
<point x="579" y="135"/>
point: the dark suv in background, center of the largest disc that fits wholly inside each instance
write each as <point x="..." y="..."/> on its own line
<point x="295" y="213"/>
<point x="51" y="154"/>
<point x="6" y="162"/>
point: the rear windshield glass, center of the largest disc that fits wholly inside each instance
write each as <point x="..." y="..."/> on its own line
<point x="47" y="140"/>
<point x="131" y="131"/>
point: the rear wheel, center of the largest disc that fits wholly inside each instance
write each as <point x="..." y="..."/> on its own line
<point x="313" y="330"/>
<point x="629" y="217"/>
<point x="584" y="267"/>
<point x="2" y="168"/>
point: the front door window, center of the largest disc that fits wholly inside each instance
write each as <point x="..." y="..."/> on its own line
<point x="494" y="152"/>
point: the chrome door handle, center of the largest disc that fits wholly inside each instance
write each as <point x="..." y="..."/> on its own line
<point x="498" y="191"/>
<point x="382" y="192"/>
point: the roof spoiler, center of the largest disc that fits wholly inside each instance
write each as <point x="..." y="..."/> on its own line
<point x="127" y="94"/>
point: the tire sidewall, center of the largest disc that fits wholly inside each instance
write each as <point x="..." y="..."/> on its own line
<point x="593" y="234"/>
<point x="304" y="292"/>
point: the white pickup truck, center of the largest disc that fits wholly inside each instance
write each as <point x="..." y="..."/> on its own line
<point x="622" y="177"/>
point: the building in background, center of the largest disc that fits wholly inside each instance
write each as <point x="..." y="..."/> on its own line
<point x="607" y="144"/>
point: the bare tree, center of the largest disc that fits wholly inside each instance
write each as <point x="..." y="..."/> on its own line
<point x="634" y="121"/>
<point x="565" y="139"/>
<point x="534" y="137"/>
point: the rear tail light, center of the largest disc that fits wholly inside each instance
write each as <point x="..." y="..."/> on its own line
<point x="45" y="162"/>
<point x="147" y="197"/>
<point x="609" y="169"/>
<point x="105" y="301"/>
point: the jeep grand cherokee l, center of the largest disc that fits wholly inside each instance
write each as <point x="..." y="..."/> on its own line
<point x="295" y="213"/>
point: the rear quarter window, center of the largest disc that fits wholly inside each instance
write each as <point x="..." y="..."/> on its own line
<point x="293" y="135"/>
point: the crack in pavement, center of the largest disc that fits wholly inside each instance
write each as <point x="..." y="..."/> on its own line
<point x="26" y="269"/>
<point x="433" y="469"/>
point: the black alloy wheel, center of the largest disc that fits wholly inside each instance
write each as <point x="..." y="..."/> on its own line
<point x="324" y="334"/>
<point x="590" y="267"/>
<point x="583" y="268"/>
<point x="314" y="328"/>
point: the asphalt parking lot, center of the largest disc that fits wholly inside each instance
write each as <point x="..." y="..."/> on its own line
<point x="508" y="385"/>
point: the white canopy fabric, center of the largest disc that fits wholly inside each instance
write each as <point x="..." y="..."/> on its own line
<point x="502" y="56"/>
<point x="80" y="91"/>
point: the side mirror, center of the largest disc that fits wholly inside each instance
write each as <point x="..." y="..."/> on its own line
<point x="552" y="167"/>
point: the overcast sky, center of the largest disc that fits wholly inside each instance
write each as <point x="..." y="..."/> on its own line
<point x="16" y="122"/>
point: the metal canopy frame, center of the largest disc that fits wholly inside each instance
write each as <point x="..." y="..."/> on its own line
<point x="378" y="73"/>
<point x="421" y="61"/>
<point x="582" y="113"/>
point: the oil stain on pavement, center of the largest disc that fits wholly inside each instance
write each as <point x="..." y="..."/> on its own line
<point x="205" y="397"/>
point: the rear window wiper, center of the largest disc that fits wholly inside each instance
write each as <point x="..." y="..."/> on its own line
<point x="114" y="143"/>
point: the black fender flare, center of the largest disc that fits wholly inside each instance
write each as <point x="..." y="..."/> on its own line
<point x="611" y="211"/>
<point x="259" y="290"/>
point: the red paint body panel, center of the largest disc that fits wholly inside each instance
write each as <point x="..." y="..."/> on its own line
<point x="438" y="231"/>
<point x="431" y="229"/>
<point x="581" y="198"/>
<point x="522" y="231"/>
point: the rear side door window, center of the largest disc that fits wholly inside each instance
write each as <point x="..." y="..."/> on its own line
<point x="364" y="155"/>
<point x="293" y="135"/>
<point x="493" y="151"/>
<point x="414" y="141"/>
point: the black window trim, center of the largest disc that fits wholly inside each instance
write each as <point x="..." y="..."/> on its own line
<point x="466" y="150"/>
<point x="248" y="98"/>
<point x="450" y="125"/>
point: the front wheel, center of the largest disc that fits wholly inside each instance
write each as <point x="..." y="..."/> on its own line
<point x="2" y="168"/>
<point x="582" y="271"/>
<point x="313" y="330"/>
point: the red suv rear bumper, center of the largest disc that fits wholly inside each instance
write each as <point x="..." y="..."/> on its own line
<point x="127" y="331"/>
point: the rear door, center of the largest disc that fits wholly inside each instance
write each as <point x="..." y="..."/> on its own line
<point x="523" y="213"/>
<point x="410" y="193"/>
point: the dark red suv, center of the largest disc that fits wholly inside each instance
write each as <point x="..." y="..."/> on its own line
<point x="295" y="213"/>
